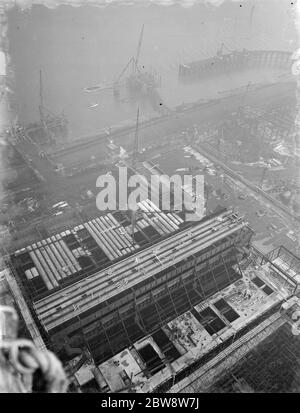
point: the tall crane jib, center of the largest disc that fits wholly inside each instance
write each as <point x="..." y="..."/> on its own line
<point x="140" y="82"/>
<point x="137" y="58"/>
<point x="136" y="140"/>
<point x="52" y="125"/>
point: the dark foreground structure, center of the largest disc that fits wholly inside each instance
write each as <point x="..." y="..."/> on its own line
<point x="170" y="313"/>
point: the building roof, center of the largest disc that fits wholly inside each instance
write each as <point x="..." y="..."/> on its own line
<point x="194" y="337"/>
<point x="64" y="257"/>
<point x="71" y="301"/>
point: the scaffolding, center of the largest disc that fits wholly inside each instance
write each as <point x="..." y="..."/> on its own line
<point x="159" y="308"/>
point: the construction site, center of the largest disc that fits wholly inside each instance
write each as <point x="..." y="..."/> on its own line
<point x="151" y="300"/>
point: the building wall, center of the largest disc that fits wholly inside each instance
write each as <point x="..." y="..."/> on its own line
<point x="241" y="237"/>
<point x="204" y="273"/>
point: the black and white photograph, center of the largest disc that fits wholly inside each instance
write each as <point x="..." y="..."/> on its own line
<point x="149" y="199"/>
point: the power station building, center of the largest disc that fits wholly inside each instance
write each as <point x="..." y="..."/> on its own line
<point x="154" y="306"/>
<point x="135" y="293"/>
<point x="157" y="306"/>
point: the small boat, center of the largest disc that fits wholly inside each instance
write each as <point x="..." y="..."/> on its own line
<point x="94" y="105"/>
<point x="92" y="88"/>
<point x="97" y="88"/>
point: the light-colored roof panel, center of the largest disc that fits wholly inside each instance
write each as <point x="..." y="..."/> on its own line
<point x="144" y="264"/>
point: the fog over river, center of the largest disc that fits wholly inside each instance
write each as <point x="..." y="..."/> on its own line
<point x="79" y="47"/>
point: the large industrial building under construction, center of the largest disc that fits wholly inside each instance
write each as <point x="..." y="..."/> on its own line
<point x="152" y="307"/>
<point x="130" y="277"/>
<point x="157" y="299"/>
<point x="152" y="317"/>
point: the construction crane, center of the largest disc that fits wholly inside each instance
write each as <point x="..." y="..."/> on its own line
<point x="243" y="100"/>
<point x="136" y="140"/>
<point x="49" y="120"/>
<point x="116" y="84"/>
<point x="130" y="62"/>
<point x="139" y="82"/>
<point x="251" y="15"/>
<point x="43" y="117"/>
<point x="133" y="62"/>
<point x="221" y="48"/>
<point x="138" y="52"/>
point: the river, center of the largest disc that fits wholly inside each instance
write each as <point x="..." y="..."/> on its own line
<point x="78" y="47"/>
